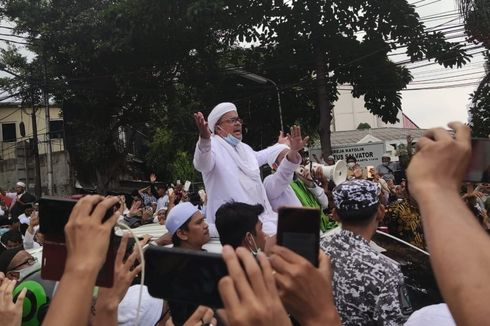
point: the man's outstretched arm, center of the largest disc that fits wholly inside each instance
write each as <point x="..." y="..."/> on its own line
<point x="459" y="247"/>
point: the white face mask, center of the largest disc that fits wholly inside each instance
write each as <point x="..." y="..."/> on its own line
<point x="230" y="139"/>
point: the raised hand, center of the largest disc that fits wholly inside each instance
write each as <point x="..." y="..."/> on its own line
<point x="153" y="178"/>
<point x="10" y="311"/>
<point x="296" y="143"/>
<point x="202" y="125"/>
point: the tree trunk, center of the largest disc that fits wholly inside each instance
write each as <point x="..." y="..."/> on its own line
<point x="324" y="106"/>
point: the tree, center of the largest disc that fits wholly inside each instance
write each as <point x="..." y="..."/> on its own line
<point x="363" y="126"/>
<point x="476" y="15"/>
<point x="116" y="64"/>
<point x="323" y="44"/>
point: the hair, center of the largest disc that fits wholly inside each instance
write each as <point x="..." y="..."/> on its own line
<point x="175" y="238"/>
<point x="350" y="157"/>
<point x="234" y="220"/>
<point x="357" y="217"/>
<point x="12" y="235"/>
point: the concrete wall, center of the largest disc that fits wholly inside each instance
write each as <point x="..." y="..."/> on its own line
<point x="10" y="174"/>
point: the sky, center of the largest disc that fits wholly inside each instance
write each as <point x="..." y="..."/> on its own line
<point x="433" y="108"/>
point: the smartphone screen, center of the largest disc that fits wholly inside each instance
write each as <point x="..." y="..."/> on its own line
<point x="53" y="216"/>
<point x="298" y="229"/>
<point x="183" y="275"/>
<point x="479" y="168"/>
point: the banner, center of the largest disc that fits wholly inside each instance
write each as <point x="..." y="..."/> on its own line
<point x="365" y="154"/>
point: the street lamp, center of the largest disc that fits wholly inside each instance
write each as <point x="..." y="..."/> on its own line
<point x="260" y="80"/>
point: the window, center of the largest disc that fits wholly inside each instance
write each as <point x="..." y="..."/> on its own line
<point x="56" y="129"/>
<point x="8" y="132"/>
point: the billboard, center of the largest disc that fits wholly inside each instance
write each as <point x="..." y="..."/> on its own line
<point x="365" y="154"/>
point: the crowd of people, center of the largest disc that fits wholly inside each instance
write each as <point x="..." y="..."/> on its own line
<point x="267" y="284"/>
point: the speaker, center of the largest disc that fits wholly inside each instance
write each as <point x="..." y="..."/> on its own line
<point x="336" y="173"/>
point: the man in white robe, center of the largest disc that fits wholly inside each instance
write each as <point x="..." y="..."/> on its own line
<point x="230" y="168"/>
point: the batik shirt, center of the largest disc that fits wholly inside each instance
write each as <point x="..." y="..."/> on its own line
<point x="368" y="288"/>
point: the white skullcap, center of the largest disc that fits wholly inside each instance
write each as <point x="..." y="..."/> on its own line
<point x="218" y="111"/>
<point x="150" y="309"/>
<point x="274" y="153"/>
<point x="179" y="215"/>
<point x="20" y="184"/>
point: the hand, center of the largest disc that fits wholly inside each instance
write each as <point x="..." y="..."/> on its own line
<point x="202" y="125"/>
<point x="300" y="284"/>
<point x="87" y="237"/>
<point x="306" y="177"/>
<point x="34" y="219"/>
<point x="202" y="316"/>
<point x="136" y="209"/>
<point x="249" y="293"/>
<point x="296" y="143"/>
<point x="153" y="178"/>
<point x="320" y="176"/>
<point x="124" y="273"/>
<point x="164" y="240"/>
<point x="283" y="139"/>
<point x="10" y="312"/>
<point x="437" y="152"/>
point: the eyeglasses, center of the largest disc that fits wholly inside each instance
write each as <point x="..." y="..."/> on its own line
<point x="30" y="261"/>
<point x="233" y="120"/>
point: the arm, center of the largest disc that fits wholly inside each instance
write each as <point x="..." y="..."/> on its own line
<point x="153" y="189"/>
<point x="460" y="265"/>
<point x="320" y="195"/>
<point x="204" y="159"/>
<point x="29" y="238"/>
<point x="87" y="241"/>
<point x="275" y="184"/>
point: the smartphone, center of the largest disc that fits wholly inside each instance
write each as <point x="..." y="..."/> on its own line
<point x="187" y="185"/>
<point x="479" y="167"/>
<point x="183" y="275"/>
<point x="54" y="213"/>
<point x="298" y="229"/>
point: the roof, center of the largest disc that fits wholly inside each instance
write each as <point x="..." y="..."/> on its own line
<point x="383" y="134"/>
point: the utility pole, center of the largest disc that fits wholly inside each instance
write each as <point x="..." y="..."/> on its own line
<point x="49" y="162"/>
<point x="35" y="140"/>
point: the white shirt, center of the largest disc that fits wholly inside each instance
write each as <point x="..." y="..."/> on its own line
<point x="223" y="183"/>
<point x="29" y="242"/>
<point x="24" y="219"/>
<point x="162" y="203"/>
<point x="278" y="188"/>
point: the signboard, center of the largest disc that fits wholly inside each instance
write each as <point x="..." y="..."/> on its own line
<point x="365" y="154"/>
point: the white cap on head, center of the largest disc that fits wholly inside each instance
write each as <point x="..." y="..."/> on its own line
<point x="20" y="184"/>
<point x="217" y="112"/>
<point x="274" y="153"/>
<point x="179" y="215"/>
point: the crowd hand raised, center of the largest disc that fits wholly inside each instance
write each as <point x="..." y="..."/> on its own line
<point x="202" y="316"/>
<point x="437" y="151"/>
<point x="249" y="293"/>
<point x="124" y="273"/>
<point x="136" y="209"/>
<point x="300" y="283"/>
<point x="87" y="237"/>
<point x="202" y="125"/>
<point x="296" y="143"/>
<point x="10" y="311"/>
<point x="153" y="178"/>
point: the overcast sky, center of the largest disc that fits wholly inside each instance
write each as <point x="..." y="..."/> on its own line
<point x="430" y="108"/>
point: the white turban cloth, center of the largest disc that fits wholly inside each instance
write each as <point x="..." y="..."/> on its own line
<point x="274" y="153"/>
<point x="218" y="111"/>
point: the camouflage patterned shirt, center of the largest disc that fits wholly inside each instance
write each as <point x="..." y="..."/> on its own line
<point x="368" y="288"/>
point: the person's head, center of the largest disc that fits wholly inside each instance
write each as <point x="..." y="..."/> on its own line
<point x="28" y="211"/>
<point x="238" y="225"/>
<point x="12" y="239"/>
<point x="20" y="187"/>
<point x="17" y="263"/>
<point x="187" y="226"/>
<point x="357" y="171"/>
<point x="224" y="121"/>
<point x="357" y="203"/>
<point x="277" y="153"/>
<point x="161" y="190"/>
<point x="162" y="216"/>
<point x="385" y="159"/>
<point x="330" y="160"/>
<point x="351" y="161"/>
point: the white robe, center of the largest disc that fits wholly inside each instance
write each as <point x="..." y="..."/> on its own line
<point x="232" y="174"/>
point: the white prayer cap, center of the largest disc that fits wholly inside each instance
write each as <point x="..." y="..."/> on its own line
<point x="20" y="184"/>
<point x="274" y="153"/>
<point x="179" y="215"/>
<point x="150" y="309"/>
<point x="218" y="111"/>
